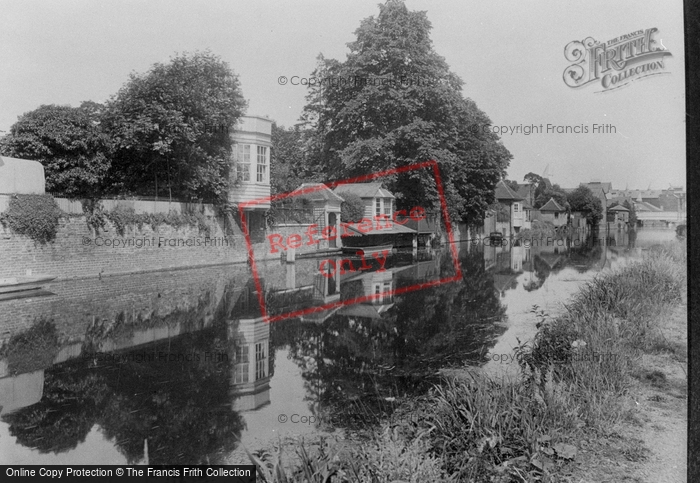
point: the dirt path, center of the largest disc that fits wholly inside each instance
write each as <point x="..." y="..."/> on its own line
<point x="663" y="401"/>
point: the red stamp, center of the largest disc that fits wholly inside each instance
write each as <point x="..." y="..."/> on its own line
<point x="276" y="243"/>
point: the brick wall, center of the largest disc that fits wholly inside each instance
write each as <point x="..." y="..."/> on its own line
<point x="79" y="252"/>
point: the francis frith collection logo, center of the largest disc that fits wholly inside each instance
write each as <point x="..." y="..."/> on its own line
<point x="617" y="62"/>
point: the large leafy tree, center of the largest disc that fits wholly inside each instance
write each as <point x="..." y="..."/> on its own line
<point x="171" y="128"/>
<point x="394" y="102"/>
<point x="582" y="199"/>
<point x="288" y="168"/>
<point x="553" y="191"/>
<point x="69" y="143"/>
<point x="540" y="184"/>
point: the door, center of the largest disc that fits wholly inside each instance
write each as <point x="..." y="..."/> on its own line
<point x="332" y="243"/>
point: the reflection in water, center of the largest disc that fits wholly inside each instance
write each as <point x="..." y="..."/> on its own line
<point x="189" y="379"/>
<point x="174" y="394"/>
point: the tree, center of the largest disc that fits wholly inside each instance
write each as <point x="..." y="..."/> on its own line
<point x="633" y="212"/>
<point x="554" y="191"/>
<point x="352" y="209"/>
<point x="171" y="128"/>
<point x="69" y="144"/>
<point x="288" y="168"/>
<point x="512" y="184"/>
<point x="541" y="185"/>
<point x="582" y="199"/>
<point x="394" y="102"/>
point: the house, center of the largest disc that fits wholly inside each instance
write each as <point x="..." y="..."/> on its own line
<point x="325" y="204"/>
<point x="671" y="199"/>
<point x="377" y="200"/>
<point x="619" y="216"/>
<point x="508" y="218"/>
<point x="554" y="213"/>
<point x="379" y="204"/>
<point x="250" y="173"/>
<point x="527" y="192"/>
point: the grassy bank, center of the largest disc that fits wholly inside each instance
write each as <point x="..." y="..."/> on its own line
<point x="575" y="388"/>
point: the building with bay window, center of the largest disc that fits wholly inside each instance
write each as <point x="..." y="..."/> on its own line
<point x="250" y="173"/>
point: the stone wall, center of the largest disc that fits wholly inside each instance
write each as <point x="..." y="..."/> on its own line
<point x="79" y="251"/>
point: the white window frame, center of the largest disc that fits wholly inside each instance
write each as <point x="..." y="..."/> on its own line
<point x="242" y="159"/>
<point x="260" y="360"/>
<point x="261" y="165"/>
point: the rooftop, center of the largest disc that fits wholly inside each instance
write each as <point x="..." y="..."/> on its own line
<point x="364" y="190"/>
<point x="552" y="205"/>
<point x="503" y="192"/>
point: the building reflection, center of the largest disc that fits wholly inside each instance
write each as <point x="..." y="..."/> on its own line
<point x="250" y="371"/>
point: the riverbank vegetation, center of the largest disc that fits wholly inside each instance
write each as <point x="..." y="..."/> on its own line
<point x="573" y="395"/>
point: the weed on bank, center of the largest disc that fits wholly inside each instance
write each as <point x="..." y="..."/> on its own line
<point x="574" y="386"/>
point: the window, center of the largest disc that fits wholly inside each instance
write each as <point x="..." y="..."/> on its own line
<point x="241" y="373"/>
<point x="262" y="164"/>
<point x="241" y="352"/>
<point x="242" y="159"/>
<point x="516" y="207"/>
<point x="378" y="206"/>
<point x="556" y="215"/>
<point x="260" y="360"/>
<point x="387" y="207"/>
<point x="241" y="362"/>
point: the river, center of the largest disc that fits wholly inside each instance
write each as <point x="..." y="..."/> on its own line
<point x="183" y="363"/>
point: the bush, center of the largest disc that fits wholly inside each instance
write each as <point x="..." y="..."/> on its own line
<point x="35" y="216"/>
<point x="352" y="209"/>
<point x="123" y="217"/>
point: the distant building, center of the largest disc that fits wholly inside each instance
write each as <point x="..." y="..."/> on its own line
<point x="554" y="213"/>
<point x="618" y="215"/>
<point x="671" y="199"/>
<point x="513" y="219"/>
<point x="527" y="192"/>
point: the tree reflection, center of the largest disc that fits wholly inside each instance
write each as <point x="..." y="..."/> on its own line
<point x="175" y="394"/>
<point x="358" y="358"/>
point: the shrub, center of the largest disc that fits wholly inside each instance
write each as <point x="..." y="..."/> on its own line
<point x="352" y="209"/>
<point x="35" y="216"/>
<point x="123" y="217"/>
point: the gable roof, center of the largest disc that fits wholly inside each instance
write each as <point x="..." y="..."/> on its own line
<point x="618" y="208"/>
<point x="322" y="193"/>
<point x="524" y="190"/>
<point x="503" y="192"/>
<point x="644" y="206"/>
<point x="364" y="190"/>
<point x="552" y="205"/>
<point x="606" y="187"/>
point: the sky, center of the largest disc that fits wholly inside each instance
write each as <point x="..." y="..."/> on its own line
<point x="510" y="55"/>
